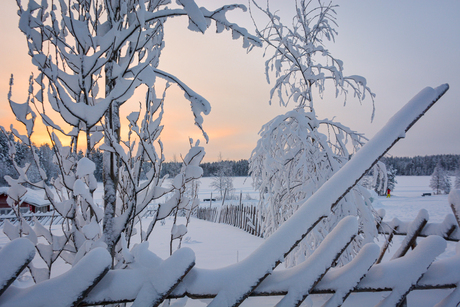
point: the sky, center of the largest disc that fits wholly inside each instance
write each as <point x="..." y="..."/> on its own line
<point x="400" y="47"/>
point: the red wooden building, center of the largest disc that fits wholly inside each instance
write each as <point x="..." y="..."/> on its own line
<point x="32" y="201"/>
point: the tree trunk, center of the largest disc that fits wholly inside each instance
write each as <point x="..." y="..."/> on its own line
<point x="110" y="165"/>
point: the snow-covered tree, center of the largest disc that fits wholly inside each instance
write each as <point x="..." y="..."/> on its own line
<point x="300" y="61"/>
<point x="457" y="179"/>
<point x="440" y="180"/>
<point x="391" y="175"/>
<point x="380" y="178"/>
<point x="222" y="180"/>
<point x="298" y="152"/>
<point x="80" y="47"/>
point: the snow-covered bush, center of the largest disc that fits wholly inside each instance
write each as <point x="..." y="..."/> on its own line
<point x="91" y="57"/>
<point x="457" y="179"/>
<point x="297" y="152"/>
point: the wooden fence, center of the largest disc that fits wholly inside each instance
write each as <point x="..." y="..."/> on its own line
<point x="241" y="216"/>
<point x="420" y="265"/>
<point x="47" y="218"/>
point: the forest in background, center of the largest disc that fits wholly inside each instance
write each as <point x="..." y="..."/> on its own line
<point x="405" y="166"/>
<point x="422" y="165"/>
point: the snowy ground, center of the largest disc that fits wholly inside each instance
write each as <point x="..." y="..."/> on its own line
<point x="218" y="245"/>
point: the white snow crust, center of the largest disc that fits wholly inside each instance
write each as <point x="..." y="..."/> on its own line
<point x="14" y="256"/>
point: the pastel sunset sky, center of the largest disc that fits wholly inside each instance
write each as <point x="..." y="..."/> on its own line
<point x="400" y="47"/>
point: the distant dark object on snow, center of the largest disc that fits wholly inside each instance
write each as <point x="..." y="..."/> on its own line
<point x="209" y="199"/>
<point x="426" y="194"/>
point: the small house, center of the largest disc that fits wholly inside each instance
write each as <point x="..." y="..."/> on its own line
<point x="33" y="201"/>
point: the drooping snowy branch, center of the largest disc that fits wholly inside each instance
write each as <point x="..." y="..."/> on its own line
<point x="291" y="161"/>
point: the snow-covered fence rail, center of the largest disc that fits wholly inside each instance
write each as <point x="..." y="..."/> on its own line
<point x="45" y="218"/>
<point x="419" y="227"/>
<point x="448" y="229"/>
<point x="241" y="216"/>
<point x="415" y="271"/>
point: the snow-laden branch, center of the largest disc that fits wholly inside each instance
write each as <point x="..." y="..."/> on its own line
<point x="198" y="103"/>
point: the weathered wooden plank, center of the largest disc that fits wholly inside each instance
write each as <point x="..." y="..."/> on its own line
<point x="385" y="246"/>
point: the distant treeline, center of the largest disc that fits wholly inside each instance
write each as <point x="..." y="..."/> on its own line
<point x="405" y="166"/>
<point x="422" y="166"/>
<point x="232" y="168"/>
<point x="45" y="154"/>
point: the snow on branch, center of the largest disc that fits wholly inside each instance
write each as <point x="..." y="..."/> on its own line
<point x="198" y="103"/>
<point x="22" y="111"/>
<point x="87" y="42"/>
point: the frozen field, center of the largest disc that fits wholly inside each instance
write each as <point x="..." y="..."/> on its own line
<point x="219" y="245"/>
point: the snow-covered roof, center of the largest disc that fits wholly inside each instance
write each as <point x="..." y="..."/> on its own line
<point x="32" y="197"/>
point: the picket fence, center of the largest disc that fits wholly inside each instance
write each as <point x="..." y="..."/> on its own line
<point x="241" y="216"/>
<point x="177" y="277"/>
